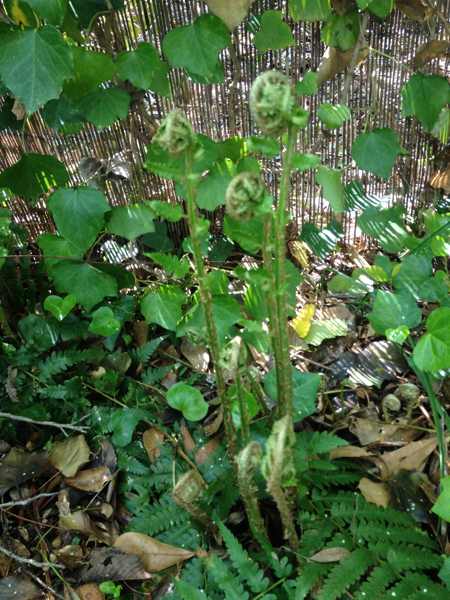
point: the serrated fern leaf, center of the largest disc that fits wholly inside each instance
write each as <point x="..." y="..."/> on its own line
<point x="248" y="570"/>
<point x="143" y="353"/>
<point x="158" y="517"/>
<point x="310" y="576"/>
<point x="169" y="212"/>
<point x="345" y="574"/>
<point x="60" y="361"/>
<point x="409" y="557"/>
<point x="58" y="392"/>
<point x="188" y="592"/>
<point x="170" y="263"/>
<point x="418" y="587"/>
<point x="234" y="590"/>
<point x="155" y="375"/>
<point x="396" y="535"/>
<point x="379" y="579"/>
<point x="320" y="443"/>
<point x="314" y="538"/>
<point x="225" y="500"/>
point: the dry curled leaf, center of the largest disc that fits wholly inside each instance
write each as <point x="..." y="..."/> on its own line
<point x="330" y="555"/>
<point x="70" y="455"/>
<point x="204" y="452"/>
<point x="428" y="51"/>
<point x="299" y="250"/>
<point x="19" y="110"/>
<point x="155" y="555"/>
<point x="377" y="493"/>
<point x="90" y="591"/>
<point x="140" y="329"/>
<point x="413" y="456"/>
<point x="15" y="588"/>
<point x="414" y="9"/>
<point x="232" y="12"/>
<point x="335" y="61"/>
<point x="82" y="523"/>
<point x="188" y="443"/>
<point x="70" y="556"/>
<point x="7" y="565"/>
<point x="18" y="467"/>
<point x="90" y="480"/>
<point x="151" y="439"/>
<point x="197" y="355"/>
<point x="9" y="385"/>
<point x="109" y="564"/>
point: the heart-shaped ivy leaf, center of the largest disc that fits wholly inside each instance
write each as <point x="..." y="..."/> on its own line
<point x="188" y="400"/>
<point x="376" y="151"/>
<point x="322" y="242"/>
<point x="60" y="307"/>
<point x="391" y="311"/>
<point x="104" y="322"/>
<point x="432" y="351"/>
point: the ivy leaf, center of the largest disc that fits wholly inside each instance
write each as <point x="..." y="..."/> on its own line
<point x="123" y="423"/>
<point x="391" y="311"/>
<point x="34" y="174"/>
<point x="144" y="69"/>
<point x="61" y="112"/>
<point x="103" y="322"/>
<point x="55" y="245"/>
<point x="432" y="351"/>
<point x="124" y="279"/>
<point x="217" y="76"/>
<point x="333" y="116"/>
<point x="330" y="180"/>
<point x="60" y="307"/>
<point x="85" y="282"/>
<point x="39" y="56"/>
<point x="308" y="85"/>
<point x="52" y="11"/>
<point x="164" y="307"/>
<point x="424" y="97"/>
<point x="386" y="226"/>
<point x="267" y="146"/>
<point x="273" y="34"/>
<point x="104" y="106"/>
<point x="249" y="164"/>
<point x="341" y="31"/>
<point x="158" y="240"/>
<point x="381" y="8"/>
<point x="310" y="10"/>
<point x="90" y="68"/>
<point x="305" y="161"/>
<point x="432" y="290"/>
<point x="188" y="400"/>
<point x="197" y="46"/>
<point x="234" y="148"/>
<point x="211" y="191"/>
<point x="21" y="13"/>
<point x="79" y="214"/>
<point x="85" y="10"/>
<point x="131" y="221"/>
<point x="376" y="151"/>
<point x="414" y="271"/>
<point x="322" y="243"/>
<point x="306" y="386"/>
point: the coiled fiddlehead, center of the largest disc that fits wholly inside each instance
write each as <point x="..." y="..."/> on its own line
<point x="272" y="102"/>
<point x="244" y="193"/>
<point x="176" y="135"/>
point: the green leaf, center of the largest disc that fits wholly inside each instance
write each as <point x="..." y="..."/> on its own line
<point x="85" y="282"/>
<point x="325" y="330"/>
<point x="381" y="8"/>
<point x="308" y="85"/>
<point x="38" y="332"/>
<point x="167" y="211"/>
<point x="211" y="190"/>
<point x="60" y="307"/>
<point x="60" y="112"/>
<point x="432" y="351"/>
<point x="217" y="76"/>
<point x="397" y="336"/>
<point x="131" y="221"/>
<point x="432" y="290"/>
<point x="172" y="264"/>
<point x="39" y="56"/>
<point x="333" y="116"/>
<point x="330" y="180"/>
<point x="341" y="31"/>
<point x="442" y="127"/>
<point x="249" y="164"/>
<point x="273" y="33"/>
<point x="124" y="279"/>
<point x="247" y="234"/>
<point x="104" y="106"/>
<point x="72" y="328"/>
<point x="90" y="68"/>
<point x="250" y="402"/>
<point x="391" y="311"/>
<point x="306" y="386"/>
<point x="8" y="119"/>
<point x="424" y="97"/>
<point x="86" y="10"/>
<point x="33" y="175"/>
<point x="188" y="400"/>
<point x="158" y="240"/>
<point x="164" y="307"/>
<point x="310" y="10"/>
<point x="55" y="245"/>
<point x="197" y="46"/>
<point x="341" y="284"/>
<point x="144" y="69"/>
<point x="363" y="3"/>
<point x="305" y="161"/>
<point x="415" y="270"/>
<point x="123" y="423"/>
<point x="79" y="214"/>
<point x="383" y="263"/>
<point x="21" y="13"/>
<point x="52" y="11"/>
<point x="444" y="573"/>
<point x="385" y="225"/>
<point x="376" y="151"/>
<point x="266" y="146"/>
<point x="234" y="148"/>
<point x="377" y="273"/>
<point x="322" y="243"/>
<point x="220" y="251"/>
<point x="104" y="322"/>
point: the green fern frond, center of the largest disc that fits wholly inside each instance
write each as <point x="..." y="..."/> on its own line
<point x="170" y="263"/>
<point x="418" y="587"/>
<point x="183" y="535"/>
<point x="409" y="557"/>
<point x="144" y="353"/>
<point x="188" y="592"/>
<point x="57" y="392"/>
<point x="345" y="574"/>
<point x="334" y="478"/>
<point x="249" y="571"/>
<point x="320" y="443"/>
<point x="157" y="517"/>
<point x="396" y="535"/>
<point x="315" y="536"/>
<point x="225" y="500"/>
<point x="60" y="361"/>
<point x="379" y="579"/>
<point x="310" y="576"/>
<point x="234" y="590"/>
<point x="155" y="375"/>
<point x="131" y="464"/>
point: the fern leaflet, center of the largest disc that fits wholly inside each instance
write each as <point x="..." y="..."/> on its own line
<point x="143" y="353"/>
<point x="188" y="592"/>
<point x="59" y="361"/>
<point x="311" y="574"/>
<point x="407" y="557"/>
<point x="346" y="573"/>
<point x="234" y="590"/>
<point x="376" y="583"/>
<point x="158" y="517"/>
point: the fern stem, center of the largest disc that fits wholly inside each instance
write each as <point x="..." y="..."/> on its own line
<point x="248" y="461"/>
<point x="245" y="429"/>
<point x="274" y="585"/>
<point x="257" y="392"/>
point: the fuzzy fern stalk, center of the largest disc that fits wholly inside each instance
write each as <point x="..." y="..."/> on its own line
<point x="177" y="137"/>
<point x="278" y="469"/>
<point x="248" y="461"/>
<point x="186" y="492"/>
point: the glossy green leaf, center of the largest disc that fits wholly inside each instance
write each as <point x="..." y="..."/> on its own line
<point x="85" y="282"/>
<point x="266" y="146"/>
<point x="326" y="329"/>
<point x="381" y="8"/>
<point x="306" y="386"/>
<point x="104" y="322"/>
<point x="55" y="245"/>
<point x="60" y="307"/>
<point x="71" y="328"/>
<point x="40" y="333"/>
<point x="39" y="56"/>
<point x="197" y="46"/>
<point x="308" y="85"/>
<point x="211" y="190"/>
<point x="322" y="242"/>
<point x="433" y="290"/>
<point x="217" y="76"/>
<point x="247" y="234"/>
<point x="424" y="97"/>
<point x="61" y="112"/>
<point x="91" y="68"/>
<point x="415" y="270"/>
<point x="444" y="573"/>
<point x="188" y="400"/>
<point x="304" y="161"/>
<point x="391" y="311"/>
<point x="164" y="307"/>
<point x="125" y="279"/>
<point x="219" y="252"/>
<point x="383" y="262"/>
<point x="377" y="273"/>
<point x="274" y="34"/>
<point x="79" y="214"/>
<point x="376" y="151"/>
<point x="123" y="423"/>
<point x="52" y="11"/>
<point x="333" y="115"/>
<point x="432" y="351"/>
<point x="144" y="69"/>
<point x="397" y="336"/>
<point x="21" y="13"/>
<point x="33" y="175"/>
<point x="309" y="10"/>
<point x="385" y="225"/>
<point x="341" y="284"/>
<point x="341" y="31"/>
<point x="330" y="180"/>
<point x="131" y="221"/>
<point x="363" y="3"/>
<point x="104" y="106"/>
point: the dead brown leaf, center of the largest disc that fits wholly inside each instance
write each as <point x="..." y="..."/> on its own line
<point x="188" y="442"/>
<point x="398" y="434"/>
<point x="213" y="421"/>
<point x="441" y="180"/>
<point x="428" y="51"/>
<point x="69" y="456"/>
<point x="82" y="523"/>
<point x="9" y="385"/>
<point x="330" y="555"/>
<point x="197" y="355"/>
<point x="90" y="480"/>
<point x="109" y="564"/>
<point x="19" y="110"/>
<point x="204" y="452"/>
<point x="155" y="555"/>
<point x="151" y="439"/>
<point x="7" y="566"/>
<point x="414" y="9"/>
<point x="232" y="12"/>
<point x="366" y="431"/>
<point x="169" y="380"/>
<point x="350" y="452"/>
<point x="411" y="457"/>
<point x="140" y="329"/>
<point x="335" y="61"/>
<point x="90" y="591"/>
<point x="378" y="493"/>
<point x="18" y="467"/>
<point x="299" y="250"/>
<point x="13" y="588"/>
<point x="71" y="556"/>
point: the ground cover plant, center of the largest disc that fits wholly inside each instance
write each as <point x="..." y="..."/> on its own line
<point x="242" y="421"/>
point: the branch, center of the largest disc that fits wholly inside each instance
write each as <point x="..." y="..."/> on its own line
<point x="27" y="500"/>
<point x="231" y="93"/>
<point x="29" y="561"/>
<point x="62" y="426"/>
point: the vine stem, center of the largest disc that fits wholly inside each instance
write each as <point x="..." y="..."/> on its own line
<point x="206" y="300"/>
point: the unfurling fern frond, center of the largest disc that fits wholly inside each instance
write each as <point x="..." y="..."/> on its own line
<point x="143" y="353"/>
<point x="60" y="361"/>
<point x="345" y="574"/>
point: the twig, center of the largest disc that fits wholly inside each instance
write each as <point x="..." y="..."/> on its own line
<point x="231" y="93"/>
<point x="62" y="426"/>
<point x="29" y="561"/>
<point x="27" y="500"/>
<point x="351" y="69"/>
